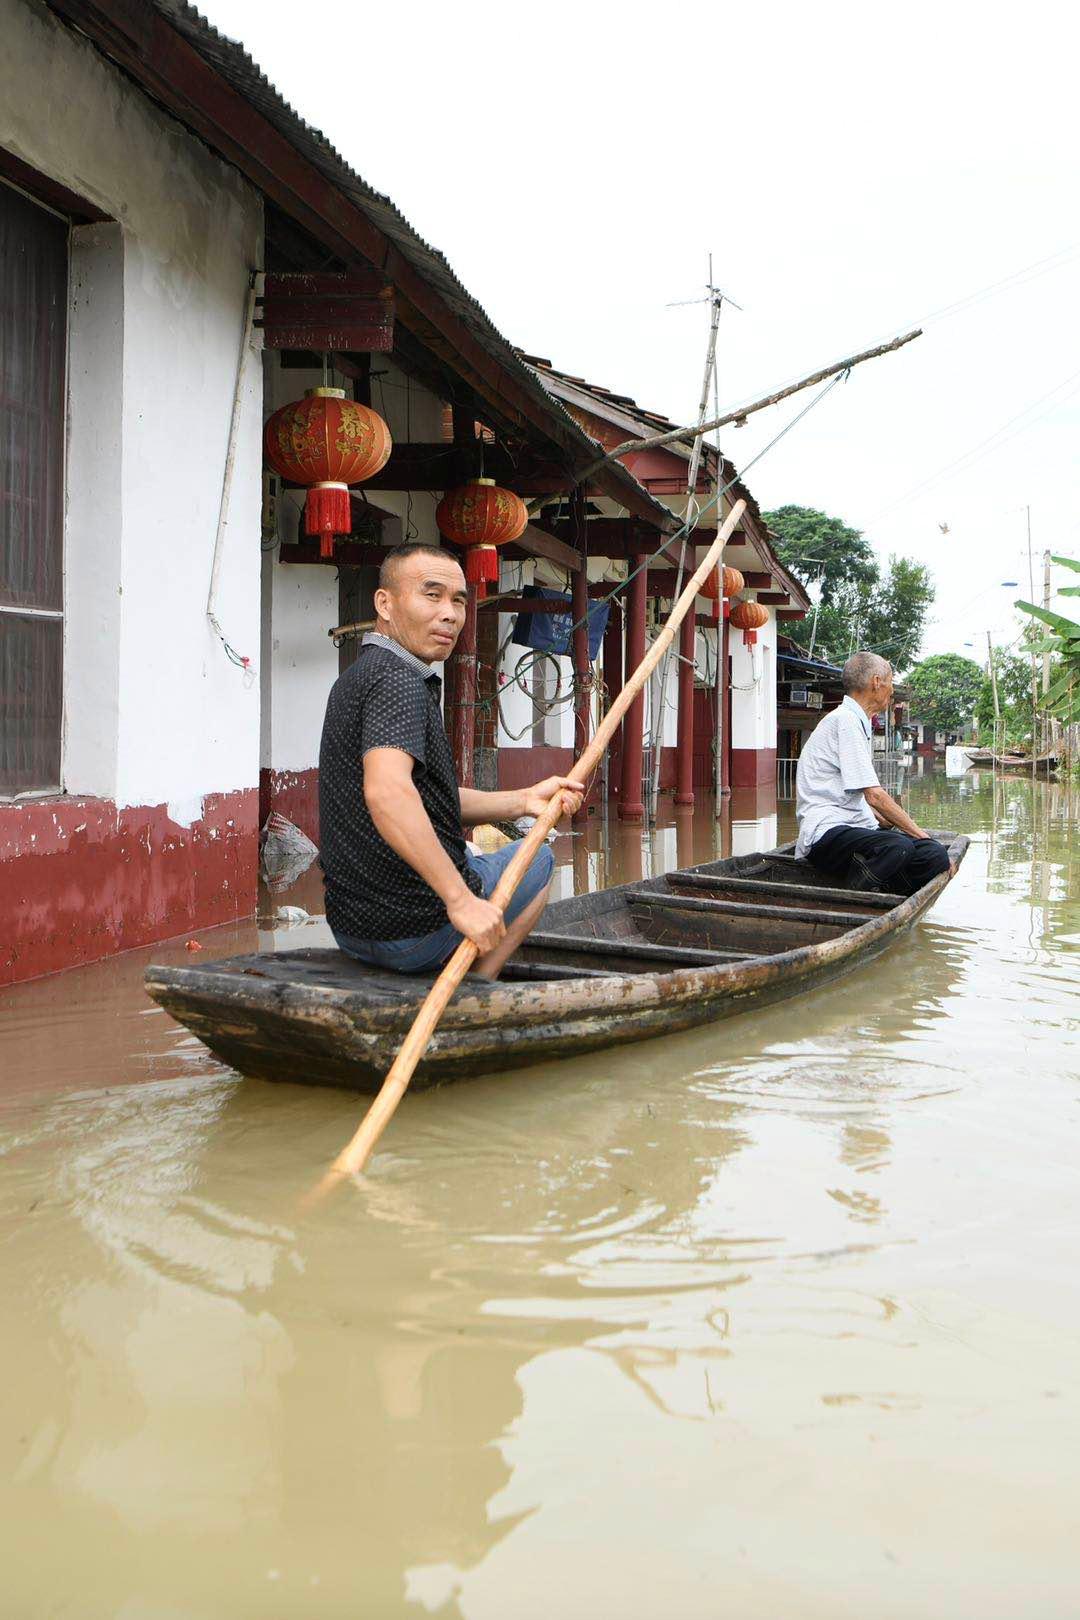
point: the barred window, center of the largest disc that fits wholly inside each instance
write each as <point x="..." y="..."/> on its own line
<point x="33" y="348"/>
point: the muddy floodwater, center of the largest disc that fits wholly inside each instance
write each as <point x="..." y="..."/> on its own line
<point x="776" y="1319"/>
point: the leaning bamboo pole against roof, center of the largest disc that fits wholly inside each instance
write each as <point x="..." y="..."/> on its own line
<point x="655" y="440"/>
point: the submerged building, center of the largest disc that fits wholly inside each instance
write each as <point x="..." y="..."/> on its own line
<point x="181" y="256"/>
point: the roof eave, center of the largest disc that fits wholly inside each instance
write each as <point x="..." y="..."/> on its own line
<point x="212" y="86"/>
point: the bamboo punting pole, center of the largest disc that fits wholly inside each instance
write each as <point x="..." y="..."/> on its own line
<point x="354" y="1157"/>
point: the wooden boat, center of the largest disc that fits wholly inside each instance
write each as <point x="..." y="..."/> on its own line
<point x="1042" y="765"/>
<point x="620" y="965"/>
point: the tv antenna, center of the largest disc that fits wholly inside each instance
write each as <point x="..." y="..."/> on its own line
<point x="713" y="295"/>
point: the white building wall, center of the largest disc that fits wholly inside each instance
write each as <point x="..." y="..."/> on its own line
<point x="662" y="703"/>
<point x="515" y="704"/>
<point x="155" y="712"/>
<point x="300" y="602"/>
<point x="753" y="688"/>
<point x="299" y="605"/>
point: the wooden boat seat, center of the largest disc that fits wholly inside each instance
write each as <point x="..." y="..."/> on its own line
<point x="548" y="970"/>
<point x="785" y="891"/>
<point x="745" y="908"/>
<point x="636" y="950"/>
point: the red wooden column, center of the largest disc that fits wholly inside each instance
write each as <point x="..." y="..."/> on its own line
<point x="579" y="641"/>
<point x="462" y="693"/>
<point x="579" y="648"/>
<point x="684" y="837"/>
<point x="631" y="805"/>
<point x="613" y="681"/>
<point x="725" y="708"/>
<point x="684" y="753"/>
<point x="626" y="855"/>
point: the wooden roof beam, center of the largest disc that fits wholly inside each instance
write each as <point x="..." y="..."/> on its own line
<point x="415" y="465"/>
<point x="540" y="542"/>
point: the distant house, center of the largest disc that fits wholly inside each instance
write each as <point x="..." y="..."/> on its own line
<point x="808" y="689"/>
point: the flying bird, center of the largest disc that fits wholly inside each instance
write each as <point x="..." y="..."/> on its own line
<point x="944" y="527"/>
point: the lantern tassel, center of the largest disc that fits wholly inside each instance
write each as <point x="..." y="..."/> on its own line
<point x="327" y="513"/>
<point x="482" y="568"/>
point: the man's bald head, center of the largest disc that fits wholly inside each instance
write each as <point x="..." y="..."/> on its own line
<point x="391" y="565"/>
<point x="421" y="600"/>
<point x="862" y="670"/>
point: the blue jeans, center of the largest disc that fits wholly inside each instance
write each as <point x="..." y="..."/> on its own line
<point x="429" y="951"/>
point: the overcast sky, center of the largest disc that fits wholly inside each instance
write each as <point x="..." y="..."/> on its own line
<point x="852" y="169"/>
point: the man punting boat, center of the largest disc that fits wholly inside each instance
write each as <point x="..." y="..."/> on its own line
<point x="402" y="888"/>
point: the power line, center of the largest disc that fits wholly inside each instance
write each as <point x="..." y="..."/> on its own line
<point x="1016" y="278"/>
<point x="983" y="445"/>
<point x="1019" y="278"/>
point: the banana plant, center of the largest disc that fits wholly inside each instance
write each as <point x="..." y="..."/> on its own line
<point x="1063" y="641"/>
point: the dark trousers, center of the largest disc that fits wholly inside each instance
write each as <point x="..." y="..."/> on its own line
<point x="885" y="859"/>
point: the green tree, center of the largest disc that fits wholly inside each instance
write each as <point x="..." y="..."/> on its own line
<point x="858" y="607"/>
<point x="885" y="615"/>
<point x="1014" y="698"/>
<point x="895" y="613"/>
<point x="821" y="549"/>
<point x="944" y="691"/>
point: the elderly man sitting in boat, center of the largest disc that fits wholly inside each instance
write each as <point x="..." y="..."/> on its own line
<point x="402" y="888"/>
<point x="850" y="829"/>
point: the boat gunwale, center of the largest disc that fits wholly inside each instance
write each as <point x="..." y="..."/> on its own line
<point x="504" y="1004"/>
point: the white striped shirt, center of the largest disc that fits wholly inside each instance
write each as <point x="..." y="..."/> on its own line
<point x="836" y="764"/>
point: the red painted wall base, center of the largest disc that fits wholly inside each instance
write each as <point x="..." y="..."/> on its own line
<point x="521" y="767"/>
<point x="753" y="767"/>
<point x="293" y="794"/>
<point x="81" y="879"/>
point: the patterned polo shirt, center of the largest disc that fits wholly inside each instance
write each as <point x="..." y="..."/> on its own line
<point x="387" y="698"/>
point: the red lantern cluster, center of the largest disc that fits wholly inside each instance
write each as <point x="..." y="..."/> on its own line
<point x="479" y="516"/>
<point x="722" y="582"/>
<point x="327" y="442"/>
<point x="749" y="617"/>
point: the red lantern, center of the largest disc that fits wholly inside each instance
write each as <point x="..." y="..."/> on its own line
<point x="749" y="617"/>
<point x="327" y="442"/>
<point x="715" y="587"/>
<point x="480" y="516"/>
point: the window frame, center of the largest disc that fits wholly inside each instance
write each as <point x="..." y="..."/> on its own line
<point x="8" y="182"/>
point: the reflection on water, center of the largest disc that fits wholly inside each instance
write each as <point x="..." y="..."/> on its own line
<point x="773" y="1318"/>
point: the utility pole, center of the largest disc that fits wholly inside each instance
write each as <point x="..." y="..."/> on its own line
<point x="1048" y="723"/>
<point x="1046" y="605"/>
<point x="1034" y="680"/>
<point x="813" y="631"/>
<point x="716" y="299"/>
<point x="994" y="689"/>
